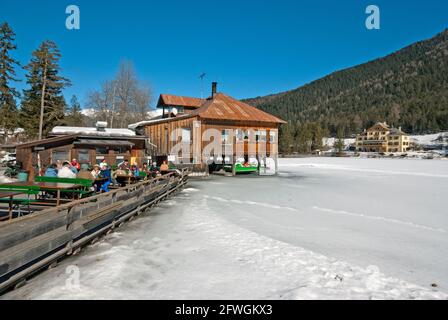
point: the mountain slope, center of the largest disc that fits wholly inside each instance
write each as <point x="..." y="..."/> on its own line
<point x="408" y="88"/>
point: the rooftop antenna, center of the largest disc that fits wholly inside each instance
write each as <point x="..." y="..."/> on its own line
<point x="202" y="76"/>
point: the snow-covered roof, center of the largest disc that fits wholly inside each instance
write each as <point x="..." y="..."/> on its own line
<point x="92" y="131"/>
<point x="154" y="113"/>
<point x="155" y="120"/>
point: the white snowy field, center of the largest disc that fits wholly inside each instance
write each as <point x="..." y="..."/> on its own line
<point x="325" y="228"/>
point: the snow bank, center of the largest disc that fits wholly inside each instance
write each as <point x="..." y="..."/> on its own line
<point x="430" y="139"/>
<point x="330" y="142"/>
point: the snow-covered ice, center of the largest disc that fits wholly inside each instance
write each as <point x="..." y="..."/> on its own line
<point x="324" y="228"/>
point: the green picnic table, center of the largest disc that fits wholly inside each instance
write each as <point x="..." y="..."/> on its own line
<point x="10" y="196"/>
<point x="57" y="187"/>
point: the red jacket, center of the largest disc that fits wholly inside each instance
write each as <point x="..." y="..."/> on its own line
<point x="76" y="165"/>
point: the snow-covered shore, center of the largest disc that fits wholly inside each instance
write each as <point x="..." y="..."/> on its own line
<point x="325" y="228"/>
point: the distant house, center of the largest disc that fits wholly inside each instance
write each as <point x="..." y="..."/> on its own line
<point x="382" y="138"/>
<point x="11" y="136"/>
<point x="193" y="117"/>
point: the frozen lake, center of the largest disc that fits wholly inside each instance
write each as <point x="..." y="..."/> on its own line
<point x="324" y="228"/>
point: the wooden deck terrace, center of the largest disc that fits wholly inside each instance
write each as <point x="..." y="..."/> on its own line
<point x="32" y="242"/>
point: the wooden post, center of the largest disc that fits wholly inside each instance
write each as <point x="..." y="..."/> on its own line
<point x="276" y="164"/>
<point x="10" y="208"/>
<point x="58" y="200"/>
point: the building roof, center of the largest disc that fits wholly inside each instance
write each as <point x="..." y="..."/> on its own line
<point x="382" y="125"/>
<point x="49" y="141"/>
<point x="155" y="120"/>
<point x="173" y="100"/>
<point x="385" y="127"/>
<point x="220" y="107"/>
<point x="395" y="131"/>
<point x="223" y="107"/>
<point x="92" y="131"/>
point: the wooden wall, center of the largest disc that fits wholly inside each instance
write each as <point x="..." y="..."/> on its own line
<point x="248" y="146"/>
<point x="160" y="134"/>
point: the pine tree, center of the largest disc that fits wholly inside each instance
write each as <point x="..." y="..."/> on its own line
<point x="74" y="116"/>
<point x="318" y="135"/>
<point x="305" y="139"/>
<point x="286" y="139"/>
<point x="43" y="104"/>
<point x="339" y="143"/>
<point x="8" y="108"/>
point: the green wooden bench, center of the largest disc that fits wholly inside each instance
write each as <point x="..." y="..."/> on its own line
<point x="85" y="183"/>
<point x="25" y="190"/>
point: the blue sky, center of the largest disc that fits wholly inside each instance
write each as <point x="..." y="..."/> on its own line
<point x="251" y="48"/>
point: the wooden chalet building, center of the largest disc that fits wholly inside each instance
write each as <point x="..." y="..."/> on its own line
<point x="232" y="118"/>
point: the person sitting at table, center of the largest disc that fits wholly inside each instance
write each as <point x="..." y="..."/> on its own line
<point x="65" y="171"/>
<point x="84" y="173"/>
<point x="96" y="171"/>
<point x="96" y="174"/>
<point x="103" y="163"/>
<point x="154" y="170"/>
<point x="124" y="165"/>
<point x="164" y="168"/>
<point x="76" y="164"/>
<point x="145" y="169"/>
<point x="135" y="172"/>
<point x="52" y="170"/>
<point x="119" y="177"/>
<point x="105" y="173"/>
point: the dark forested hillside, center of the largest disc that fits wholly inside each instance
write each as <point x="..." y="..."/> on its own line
<point x="408" y="88"/>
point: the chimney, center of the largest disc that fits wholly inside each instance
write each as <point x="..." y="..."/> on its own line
<point x="214" y="87"/>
